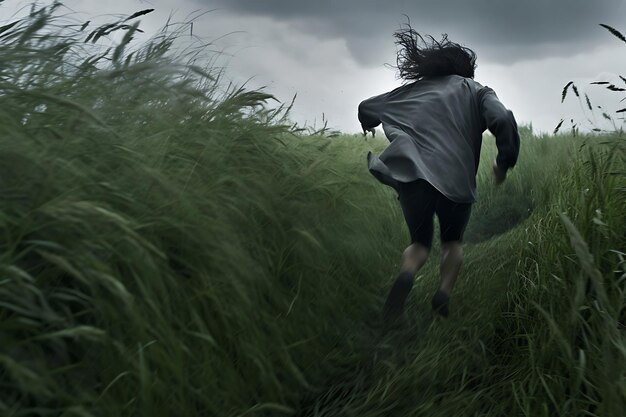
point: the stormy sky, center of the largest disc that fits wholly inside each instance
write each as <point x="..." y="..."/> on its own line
<point x="333" y="53"/>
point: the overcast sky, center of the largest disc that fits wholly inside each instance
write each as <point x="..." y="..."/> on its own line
<point x="333" y="53"/>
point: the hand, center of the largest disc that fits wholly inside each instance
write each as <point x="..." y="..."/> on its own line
<point x="365" y="130"/>
<point x="498" y="173"/>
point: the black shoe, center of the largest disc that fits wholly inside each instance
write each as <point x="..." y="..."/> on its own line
<point x="397" y="296"/>
<point x="440" y="303"/>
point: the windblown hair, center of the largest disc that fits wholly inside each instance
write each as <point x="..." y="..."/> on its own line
<point x="419" y="56"/>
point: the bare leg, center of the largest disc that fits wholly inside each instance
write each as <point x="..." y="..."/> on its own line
<point x="413" y="258"/>
<point x="451" y="259"/>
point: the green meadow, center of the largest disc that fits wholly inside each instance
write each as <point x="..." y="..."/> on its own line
<point x="172" y="245"/>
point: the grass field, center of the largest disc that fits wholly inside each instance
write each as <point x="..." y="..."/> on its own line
<point x="171" y="246"/>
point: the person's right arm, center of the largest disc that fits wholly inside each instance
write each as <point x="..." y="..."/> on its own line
<point x="370" y="111"/>
<point x="501" y="123"/>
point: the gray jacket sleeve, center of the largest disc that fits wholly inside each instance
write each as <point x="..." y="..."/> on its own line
<point x="501" y="123"/>
<point x="370" y="111"/>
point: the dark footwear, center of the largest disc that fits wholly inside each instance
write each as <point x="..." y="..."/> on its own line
<point x="397" y="296"/>
<point x="440" y="303"/>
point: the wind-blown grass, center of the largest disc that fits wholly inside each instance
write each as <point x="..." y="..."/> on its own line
<point x="171" y="246"/>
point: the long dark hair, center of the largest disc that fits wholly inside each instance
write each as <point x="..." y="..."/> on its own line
<point x="420" y="56"/>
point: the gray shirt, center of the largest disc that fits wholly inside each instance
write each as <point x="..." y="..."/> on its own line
<point x="435" y="127"/>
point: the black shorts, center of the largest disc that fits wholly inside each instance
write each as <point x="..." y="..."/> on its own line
<point x="420" y="201"/>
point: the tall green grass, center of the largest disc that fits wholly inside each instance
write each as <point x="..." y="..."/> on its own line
<point x="172" y="245"/>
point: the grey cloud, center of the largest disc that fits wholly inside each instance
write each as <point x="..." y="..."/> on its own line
<point x="500" y="30"/>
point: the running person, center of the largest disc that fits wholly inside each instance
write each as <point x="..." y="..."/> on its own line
<point x="435" y="123"/>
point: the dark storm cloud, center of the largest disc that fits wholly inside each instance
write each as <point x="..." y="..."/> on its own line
<point x="503" y="30"/>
